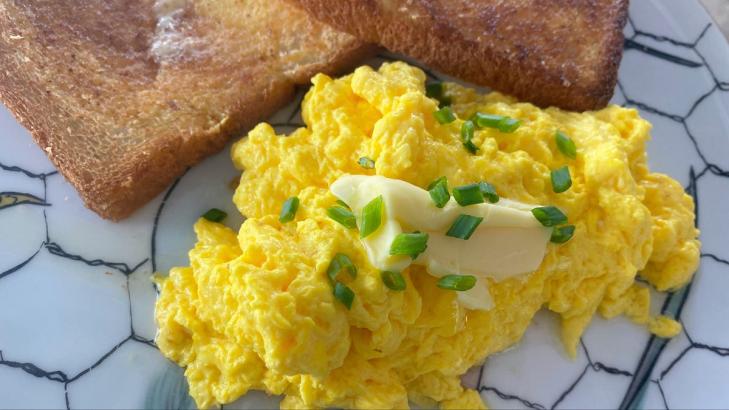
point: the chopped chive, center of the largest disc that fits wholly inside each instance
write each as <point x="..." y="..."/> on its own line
<point x="288" y="210"/>
<point x="342" y="215"/>
<point x="549" y="215"/>
<point x="436" y="182"/>
<point x="366" y="162"/>
<point x="437" y="91"/>
<point x="468" y="194"/>
<point x="445" y="115"/>
<point x="215" y="215"/>
<point x="344" y="294"/>
<point x="434" y="90"/>
<point x="500" y="122"/>
<point x="486" y="120"/>
<point x="340" y="261"/>
<point x="561" y="180"/>
<point x="464" y="226"/>
<point x="438" y="191"/>
<point x="412" y="244"/>
<point x="489" y="192"/>
<point x="562" y="234"/>
<point x="371" y="217"/>
<point x="470" y="147"/>
<point x="343" y="204"/>
<point x="393" y="280"/>
<point x="566" y="145"/>
<point x="509" y="125"/>
<point x="467" y="130"/>
<point x="457" y="282"/>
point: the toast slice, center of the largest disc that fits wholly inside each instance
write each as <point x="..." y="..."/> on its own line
<point x="125" y="95"/>
<point x="561" y="53"/>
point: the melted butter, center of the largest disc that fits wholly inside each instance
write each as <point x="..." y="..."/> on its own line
<point x="172" y="41"/>
<point x="508" y="242"/>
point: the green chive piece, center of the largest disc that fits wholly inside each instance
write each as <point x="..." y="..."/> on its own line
<point x="366" y="162"/>
<point x="470" y="147"/>
<point x="215" y="215"/>
<point x="288" y="210"/>
<point x="467" y="130"/>
<point x="340" y="261"/>
<point x="468" y="194"/>
<point x="371" y="217"/>
<point x="342" y="215"/>
<point x="412" y="244"/>
<point x="566" y="145"/>
<point x="486" y="120"/>
<point x="509" y="125"/>
<point x="561" y="180"/>
<point x="393" y="280"/>
<point x="489" y="192"/>
<point x="434" y="90"/>
<point x="438" y="191"/>
<point x="549" y="215"/>
<point x="344" y="294"/>
<point x="437" y="91"/>
<point x="436" y="182"/>
<point x="562" y="234"/>
<point x="342" y="204"/>
<point x="445" y="115"/>
<point x="464" y="226"/>
<point x="457" y="282"/>
<point x="500" y="122"/>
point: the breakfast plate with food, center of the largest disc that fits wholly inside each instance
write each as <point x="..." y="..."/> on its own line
<point x="345" y="204"/>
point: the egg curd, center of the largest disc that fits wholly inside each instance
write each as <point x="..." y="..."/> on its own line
<point x="255" y="310"/>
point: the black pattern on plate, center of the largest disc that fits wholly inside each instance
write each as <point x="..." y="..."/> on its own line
<point x="674" y="302"/>
<point x="56" y="250"/>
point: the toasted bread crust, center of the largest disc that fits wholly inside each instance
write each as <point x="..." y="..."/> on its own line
<point x="121" y="122"/>
<point x="563" y="53"/>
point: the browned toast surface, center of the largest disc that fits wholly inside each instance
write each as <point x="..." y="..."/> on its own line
<point x="562" y="52"/>
<point x="125" y="95"/>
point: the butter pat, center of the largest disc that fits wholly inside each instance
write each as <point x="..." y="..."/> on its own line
<point x="508" y="242"/>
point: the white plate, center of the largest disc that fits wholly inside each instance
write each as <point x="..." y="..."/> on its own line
<point x="76" y="302"/>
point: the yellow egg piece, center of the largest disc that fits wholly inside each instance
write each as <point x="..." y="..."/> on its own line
<point x="255" y="310"/>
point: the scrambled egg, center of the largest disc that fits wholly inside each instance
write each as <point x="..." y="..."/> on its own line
<point x="256" y="311"/>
